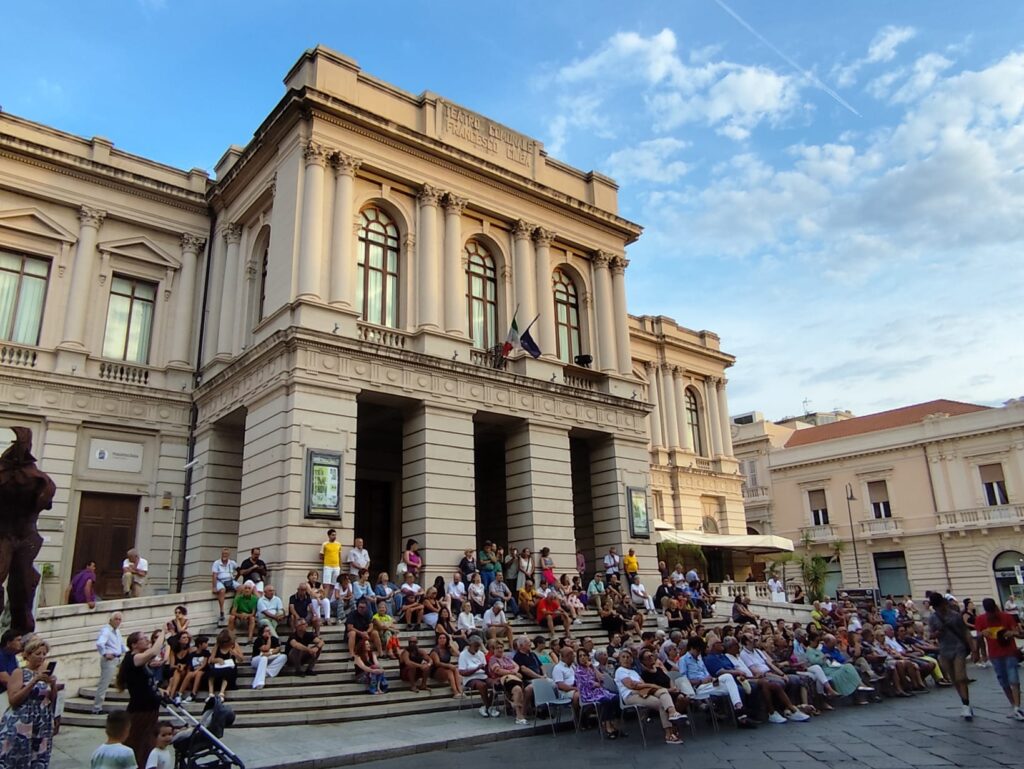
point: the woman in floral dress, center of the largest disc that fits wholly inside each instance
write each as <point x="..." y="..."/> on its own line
<point x="26" y="732"/>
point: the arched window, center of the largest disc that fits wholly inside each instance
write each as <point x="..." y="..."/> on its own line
<point x="377" y="275"/>
<point x="264" y="262"/>
<point x="567" y="317"/>
<point x="482" y="296"/>
<point x="693" y="423"/>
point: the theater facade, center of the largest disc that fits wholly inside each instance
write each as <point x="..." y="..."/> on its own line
<point x="314" y="340"/>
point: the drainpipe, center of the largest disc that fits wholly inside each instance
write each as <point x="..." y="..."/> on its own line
<point x="193" y="416"/>
<point x="935" y="511"/>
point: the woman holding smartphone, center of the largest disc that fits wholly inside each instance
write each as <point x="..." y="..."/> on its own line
<point x="143" y="695"/>
<point x="26" y="731"/>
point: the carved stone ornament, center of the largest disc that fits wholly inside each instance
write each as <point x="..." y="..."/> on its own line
<point x="522" y="229"/>
<point x="345" y="164"/>
<point x="409" y="243"/>
<point x="314" y="153"/>
<point x="91" y="217"/>
<point x="619" y="265"/>
<point x="428" y="196"/>
<point x="454" y="205"/>
<point x="233" y="234"/>
<point x="193" y="243"/>
<point x="601" y="259"/>
<point x="543" y="237"/>
<point x="251" y="269"/>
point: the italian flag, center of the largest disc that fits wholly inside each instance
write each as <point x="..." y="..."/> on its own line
<point x="512" y="340"/>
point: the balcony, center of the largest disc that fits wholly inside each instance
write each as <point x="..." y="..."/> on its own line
<point x="754" y="492"/>
<point x="386" y="337"/>
<point x="15" y="355"/>
<point x="982" y="518"/>
<point x="881" y="527"/>
<point x="818" y="534"/>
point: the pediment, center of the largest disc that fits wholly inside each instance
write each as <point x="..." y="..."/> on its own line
<point x="34" y="222"/>
<point x="141" y="248"/>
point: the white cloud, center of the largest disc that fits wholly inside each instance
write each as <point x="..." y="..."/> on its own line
<point x="882" y="49"/>
<point x="577" y="111"/>
<point x="924" y="73"/>
<point x="649" y="161"/>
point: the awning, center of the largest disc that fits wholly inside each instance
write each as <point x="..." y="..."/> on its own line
<point x="750" y="543"/>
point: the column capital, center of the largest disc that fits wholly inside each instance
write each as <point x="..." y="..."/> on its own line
<point x="345" y="165"/>
<point x="601" y="259"/>
<point x="91" y="217"/>
<point x="543" y="237"/>
<point x="233" y="234"/>
<point x="522" y="229"/>
<point x="315" y="154"/>
<point x="652" y="365"/>
<point x="454" y="205"/>
<point x="668" y="368"/>
<point x="428" y="196"/>
<point x="619" y="264"/>
<point x="192" y="243"/>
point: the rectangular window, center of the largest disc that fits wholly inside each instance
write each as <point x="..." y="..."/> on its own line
<point x="878" y="493"/>
<point x="129" y="320"/>
<point x="891" y="570"/>
<point x="750" y="471"/>
<point x="994" y="484"/>
<point x="22" y="295"/>
<point x="819" y="508"/>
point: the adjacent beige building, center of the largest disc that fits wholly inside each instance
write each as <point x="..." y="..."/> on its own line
<point x="923" y="497"/>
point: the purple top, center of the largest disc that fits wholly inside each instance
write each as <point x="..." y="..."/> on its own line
<point x="78" y="583"/>
<point x="591" y="690"/>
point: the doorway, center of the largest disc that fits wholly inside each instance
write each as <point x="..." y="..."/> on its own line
<point x="378" y="484"/>
<point x="106" y="531"/>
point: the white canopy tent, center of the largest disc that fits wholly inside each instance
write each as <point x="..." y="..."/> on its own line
<point x="750" y="543"/>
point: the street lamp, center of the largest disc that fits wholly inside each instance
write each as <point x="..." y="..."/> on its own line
<point x="853" y="533"/>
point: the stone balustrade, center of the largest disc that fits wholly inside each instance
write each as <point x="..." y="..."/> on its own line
<point x="982" y="517"/>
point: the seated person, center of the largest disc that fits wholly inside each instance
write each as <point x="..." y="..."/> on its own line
<point x="179" y="622"/>
<point x="300" y="606"/>
<point x="590" y="688"/>
<point x="342" y="597"/>
<point x="268" y="657"/>
<point x="444" y="658"/>
<point x="415" y="666"/>
<point x="304" y="648"/>
<point x="638" y="595"/>
<point x="225" y="658"/>
<point x="243" y="609"/>
<point x="388" y="590"/>
<point x="611" y="621"/>
<point x="368" y="670"/>
<point x="704" y="682"/>
<point x="477" y="595"/>
<point x="384" y="625"/>
<point x="359" y="625"/>
<point x="457" y="593"/>
<point x="666" y="592"/>
<point x="495" y="623"/>
<point x="321" y="606"/>
<point x="678" y="617"/>
<point x="196" y="675"/>
<point x="741" y="613"/>
<point x="653" y="671"/>
<point x="634" y="691"/>
<point x="505" y="671"/>
<point x="530" y="664"/>
<point x="764" y="668"/>
<point x="528" y="597"/>
<point x="178" y="661"/>
<point x="549" y="610"/>
<point x="270" y="608"/>
<point x="596" y="591"/>
<point x="633" y="617"/>
<point x="500" y="591"/>
<point x="255" y="570"/>
<point x="412" y="601"/>
<point x="473" y="670"/>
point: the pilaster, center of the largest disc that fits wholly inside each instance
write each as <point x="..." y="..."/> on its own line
<point x="618" y="269"/>
<point x="311" y="234"/>
<point x="522" y="273"/>
<point x="545" y="327"/>
<point x="83" y="271"/>
<point x="455" y="319"/>
<point x="606" y="332"/>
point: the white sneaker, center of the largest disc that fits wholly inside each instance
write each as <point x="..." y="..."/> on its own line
<point x="967" y="712"/>
<point x="776" y="718"/>
<point x="797" y="715"/>
<point x="522" y="722"/>
<point x="494" y="713"/>
<point x="1019" y="714"/>
<point x="483" y="711"/>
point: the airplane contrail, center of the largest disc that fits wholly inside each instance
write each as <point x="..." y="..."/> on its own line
<point x="806" y="73"/>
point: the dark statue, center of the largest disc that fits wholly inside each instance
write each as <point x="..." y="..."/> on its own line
<point x="25" y="491"/>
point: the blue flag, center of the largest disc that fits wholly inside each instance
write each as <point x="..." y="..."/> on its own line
<point x="527" y="343"/>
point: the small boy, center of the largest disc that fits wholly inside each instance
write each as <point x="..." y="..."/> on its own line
<point x="114" y="754"/>
<point x="161" y="756"/>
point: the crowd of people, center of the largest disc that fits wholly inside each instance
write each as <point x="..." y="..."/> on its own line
<point x="750" y="670"/>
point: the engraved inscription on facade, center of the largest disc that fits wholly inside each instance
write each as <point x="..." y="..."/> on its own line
<point x="493" y="139"/>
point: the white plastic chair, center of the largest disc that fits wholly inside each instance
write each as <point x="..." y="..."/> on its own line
<point x="544" y="694"/>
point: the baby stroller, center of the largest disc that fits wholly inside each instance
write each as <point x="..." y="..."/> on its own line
<point x="198" y="746"/>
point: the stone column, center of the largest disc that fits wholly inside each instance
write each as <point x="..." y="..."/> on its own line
<point x="311" y="236"/>
<point x="83" y="292"/>
<point x="607" y="358"/>
<point x="522" y="274"/>
<point x="685" y="436"/>
<point x="426" y="257"/>
<point x="342" y="291"/>
<point x="544" y="329"/>
<point x="618" y="268"/>
<point x="230" y="295"/>
<point x="438" y="497"/>
<point x="455" y="318"/>
<point x="655" y="415"/>
<point x="538" y="475"/>
<point x="671" y="419"/>
<point x="715" y="423"/>
<point x="181" y="330"/>
<point x="723" y="412"/>
<point x="216" y="292"/>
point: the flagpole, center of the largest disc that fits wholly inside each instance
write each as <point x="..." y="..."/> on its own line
<point x="530" y="324"/>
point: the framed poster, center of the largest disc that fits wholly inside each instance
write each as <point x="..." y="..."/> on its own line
<point x="323" y="484"/>
<point x="639" y="519"/>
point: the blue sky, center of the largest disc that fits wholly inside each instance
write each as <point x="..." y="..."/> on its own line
<point x="837" y="189"/>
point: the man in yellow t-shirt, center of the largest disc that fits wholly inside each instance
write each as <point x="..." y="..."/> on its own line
<point x="331" y="553"/>
<point x="630" y="564"/>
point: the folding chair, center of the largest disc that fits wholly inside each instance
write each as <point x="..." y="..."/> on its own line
<point x="544" y="694"/>
<point x="609" y="683"/>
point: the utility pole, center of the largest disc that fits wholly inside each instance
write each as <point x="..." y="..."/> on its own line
<point x="853" y="533"/>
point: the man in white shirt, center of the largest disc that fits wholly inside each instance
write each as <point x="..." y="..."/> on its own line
<point x="500" y="591"/>
<point x="111" y="648"/>
<point x="777" y="588"/>
<point x="357" y="558"/>
<point x="772" y="691"/>
<point x="222" y="578"/>
<point x="270" y="608"/>
<point x="678" y="576"/>
<point x="473" y="669"/>
<point x="134" y="569"/>
<point x="495" y="623"/>
<point x="763" y="666"/>
<point x="564" y="677"/>
<point x="633" y="691"/>
<point x="612" y="561"/>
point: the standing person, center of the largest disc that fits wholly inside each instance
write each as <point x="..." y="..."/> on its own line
<point x="411" y="557"/>
<point x="777" y="588"/>
<point x="134" y="569"/>
<point x="547" y="566"/>
<point x="10" y="648"/>
<point x="468" y="566"/>
<point x="970" y="614"/>
<point x="114" y="754"/>
<point x="254" y="569"/>
<point x="111" y="648"/>
<point x="222" y="578"/>
<point x="143" y="695"/>
<point x="998" y="628"/>
<point x="1012" y="608"/>
<point x="83" y="586"/>
<point x="26" y="731"/>
<point x="511" y="566"/>
<point x="612" y="563"/>
<point x="631" y="564"/>
<point x="955" y="644"/>
<point x="581" y="565"/>
<point x="488" y="563"/>
<point x="526" y="568"/>
<point x="161" y="757"/>
<point x="330" y="552"/>
<point x="357" y="559"/>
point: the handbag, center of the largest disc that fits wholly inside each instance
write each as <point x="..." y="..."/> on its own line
<point x="402" y="567"/>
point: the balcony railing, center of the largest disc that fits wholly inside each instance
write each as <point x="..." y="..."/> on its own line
<point x="753" y="492"/>
<point x="701" y="463"/>
<point x="982" y="517"/>
<point x="24" y="357"/>
<point x="121" y="372"/>
<point x="386" y="337"/>
<point x="881" y="527"/>
<point x="825" y="533"/>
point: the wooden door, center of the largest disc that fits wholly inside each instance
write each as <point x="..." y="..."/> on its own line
<point x="106" y="531"/>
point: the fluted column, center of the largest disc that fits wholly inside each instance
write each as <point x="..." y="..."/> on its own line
<point x="607" y="357"/>
<point x="342" y="290"/>
<point x="711" y="398"/>
<point x="652" y="396"/>
<point x="181" y="332"/>
<point x="685" y="436"/>
<point x="218" y="259"/>
<point x="618" y="268"/>
<point x="455" y="317"/>
<point x="232" y="288"/>
<point x="544" y="330"/>
<point x="522" y="275"/>
<point x="671" y="422"/>
<point x="426" y="274"/>
<point x="723" y="412"/>
<point x="82" y="288"/>
<point x="311" y="237"/>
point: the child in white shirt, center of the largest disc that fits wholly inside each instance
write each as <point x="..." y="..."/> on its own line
<point x="162" y="757"/>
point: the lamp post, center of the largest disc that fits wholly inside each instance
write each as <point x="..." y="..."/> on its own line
<point x="853" y="533"/>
